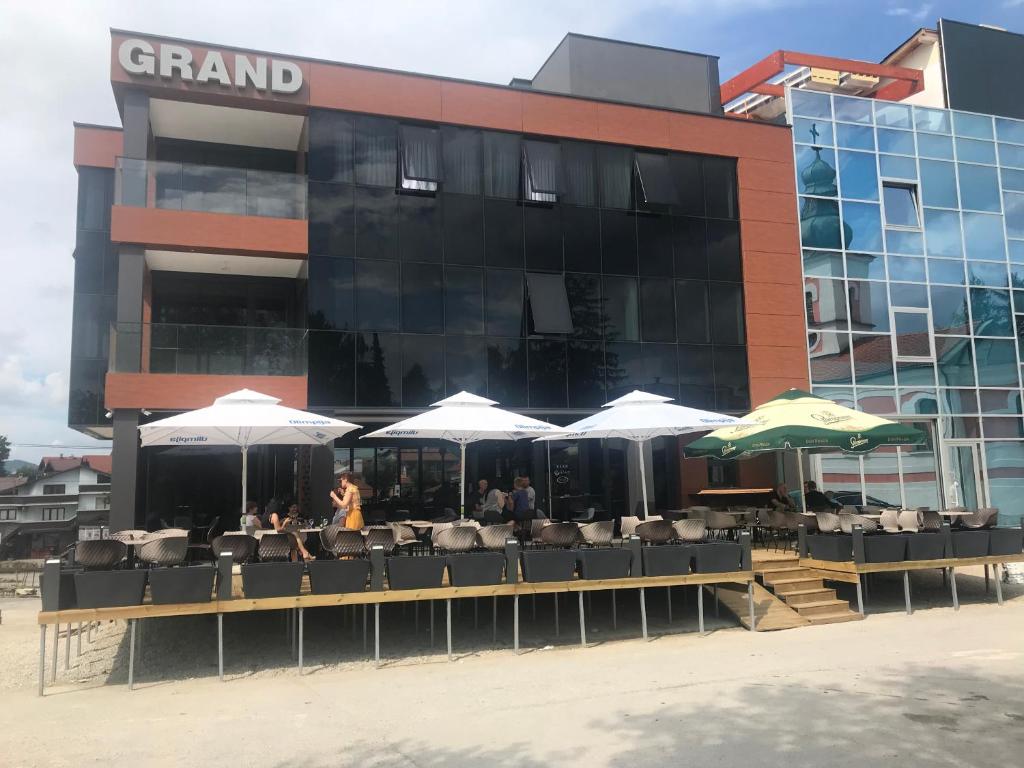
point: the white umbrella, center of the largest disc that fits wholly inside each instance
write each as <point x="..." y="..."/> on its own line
<point x="244" y="418"/>
<point x="638" y="417"/>
<point x="466" y="418"/>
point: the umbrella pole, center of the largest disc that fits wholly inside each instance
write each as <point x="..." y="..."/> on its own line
<point x="551" y="503"/>
<point x="800" y="474"/>
<point x="245" y="473"/>
<point x="462" y="482"/>
<point x="643" y="476"/>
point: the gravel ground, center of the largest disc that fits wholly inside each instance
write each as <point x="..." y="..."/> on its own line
<point x="889" y="690"/>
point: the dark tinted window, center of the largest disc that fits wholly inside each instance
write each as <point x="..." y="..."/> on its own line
<point x="501" y="165"/>
<point x="422" y="298"/>
<point x="618" y="242"/>
<point x="657" y="310"/>
<point x="688" y="175"/>
<point x="620" y="306"/>
<point x="95" y="196"/>
<point x="419" y="228"/>
<point x="585" y="361"/>
<point x="378" y="369"/>
<point x="376" y="151"/>
<point x="331" y="369"/>
<point x="503" y="233"/>
<point x="726" y="313"/>
<point x="692" y="321"/>
<point x="462" y="149"/>
<point x="580" y="171"/>
<point x="656" y="183"/>
<point x="615" y="176"/>
<point x="376" y="223"/>
<point x="464" y="300"/>
<point x="504" y="302"/>
<point x="547" y="373"/>
<point x="465" y="364"/>
<point x="654" y="244"/>
<point x="331" y="220"/>
<point x="330" y="293"/>
<point x="422" y="370"/>
<point x="506" y="371"/>
<point x="463" y="230"/>
<point x="724" y="261"/>
<point x="549" y="304"/>
<point x="85" y="392"/>
<point x="421" y="153"/>
<point x="584" y="292"/>
<point x="720" y="187"/>
<point x="650" y="367"/>
<point x="696" y="376"/>
<point x="95" y="263"/>
<point x="690" y="247"/>
<point x="543" y="226"/>
<point x="732" y="391"/>
<point x="331" y="139"/>
<point x="542" y="175"/>
<point x="581" y="229"/>
<point x="376" y="295"/>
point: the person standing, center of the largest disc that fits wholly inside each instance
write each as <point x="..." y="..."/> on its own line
<point x="531" y="494"/>
<point x="348" y="502"/>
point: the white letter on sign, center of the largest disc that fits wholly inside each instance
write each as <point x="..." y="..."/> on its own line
<point x="246" y="72"/>
<point x="175" y="57"/>
<point x="214" y="68"/>
<point x="286" y="77"/>
<point x="136" y="57"/>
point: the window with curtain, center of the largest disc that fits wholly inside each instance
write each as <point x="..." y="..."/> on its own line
<point x="656" y="187"/>
<point x="615" y="172"/>
<point x="462" y="160"/>
<point x="579" y="173"/>
<point x="542" y="180"/>
<point x="501" y="165"/>
<point x="421" y="158"/>
<point x="376" y="151"/>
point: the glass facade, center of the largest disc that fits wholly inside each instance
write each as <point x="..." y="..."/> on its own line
<point x="443" y="258"/>
<point x="912" y="225"/>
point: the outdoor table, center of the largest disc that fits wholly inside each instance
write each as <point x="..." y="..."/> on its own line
<point x="955" y="513"/>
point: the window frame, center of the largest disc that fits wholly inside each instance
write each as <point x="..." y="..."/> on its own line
<point x="915" y="196"/>
<point x="531" y="192"/>
<point x="61" y="486"/>
<point x="896" y="356"/>
<point x="424" y="184"/>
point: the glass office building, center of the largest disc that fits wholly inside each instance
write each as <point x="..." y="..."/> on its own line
<point x="912" y="234"/>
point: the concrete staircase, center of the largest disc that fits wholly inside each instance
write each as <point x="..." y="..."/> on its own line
<point x="803" y="591"/>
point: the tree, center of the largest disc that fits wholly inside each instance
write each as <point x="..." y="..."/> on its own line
<point x="5" y="454"/>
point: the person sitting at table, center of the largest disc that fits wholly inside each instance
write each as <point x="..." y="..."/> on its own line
<point x="781" y="500"/>
<point x="348" y="503"/>
<point x="477" y="497"/>
<point x="290" y="525"/>
<point x="816" y="500"/>
<point x="251" y="517"/>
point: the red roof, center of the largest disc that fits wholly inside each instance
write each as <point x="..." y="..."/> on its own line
<point x="54" y="464"/>
<point x="9" y="483"/>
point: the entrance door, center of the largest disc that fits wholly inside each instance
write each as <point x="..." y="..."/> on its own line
<point x="964" y="475"/>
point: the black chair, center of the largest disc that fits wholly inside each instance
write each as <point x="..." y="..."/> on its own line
<point x="275" y="547"/>
<point x="380" y="537"/>
<point x="165" y="551"/>
<point x="241" y="547"/>
<point x="560" y="535"/>
<point x="342" y="542"/>
<point x="100" y="554"/>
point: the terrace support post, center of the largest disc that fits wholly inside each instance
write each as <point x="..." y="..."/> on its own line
<point x="714" y="590"/>
<point x="557" y="631"/>
<point x="747" y="561"/>
<point x="801" y="540"/>
<point x="700" y="609"/>
<point x="67" y="647"/>
<point x="986" y="578"/>
<point x="131" y="653"/>
<point x="952" y="588"/>
<point x="56" y="645"/>
<point x="997" y="576"/>
<point x="220" y="646"/>
<point x="947" y="540"/>
<point x="615" y="613"/>
<point x="583" y="622"/>
<point x="376" y="634"/>
<point x="668" y="595"/>
<point x="364" y="627"/>
<point x="750" y="602"/>
<point x="430" y="605"/>
<point x="377" y="568"/>
<point x="224" y="566"/>
<point x="860" y="596"/>
<point x="448" y="618"/>
<point x="301" y="623"/>
<point x="858" y="544"/>
<point x="511" y="561"/>
<point x="643" y="613"/>
<point x="42" y="658"/>
<point x="78" y="640"/>
<point x="494" y="619"/>
<point x="515" y="623"/>
<point x="906" y="592"/>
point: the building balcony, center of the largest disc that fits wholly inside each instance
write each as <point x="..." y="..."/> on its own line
<point x="213" y="209"/>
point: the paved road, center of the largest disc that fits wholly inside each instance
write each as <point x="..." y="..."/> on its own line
<point x="936" y="689"/>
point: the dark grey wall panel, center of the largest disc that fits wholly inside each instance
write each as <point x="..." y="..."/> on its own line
<point x="983" y="68"/>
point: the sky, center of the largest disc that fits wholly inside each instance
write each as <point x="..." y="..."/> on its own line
<point x="54" y="58"/>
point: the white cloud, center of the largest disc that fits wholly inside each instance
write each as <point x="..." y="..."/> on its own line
<point x="918" y="13"/>
<point x="22" y="389"/>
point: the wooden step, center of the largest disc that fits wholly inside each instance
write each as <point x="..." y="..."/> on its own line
<point x="821" y="607"/>
<point x="834" y="618"/>
<point x="770" y="612"/>
<point x="777" y="565"/>
<point x="785" y="586"/>
<point x="804" y="596"/>
<point x="788" y="574"/>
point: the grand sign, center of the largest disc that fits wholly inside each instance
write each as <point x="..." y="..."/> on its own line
<point x="169" y="61"/>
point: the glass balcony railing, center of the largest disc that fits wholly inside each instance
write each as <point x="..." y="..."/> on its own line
<point x="213" y="189"/>
<point x="207" y="349"/>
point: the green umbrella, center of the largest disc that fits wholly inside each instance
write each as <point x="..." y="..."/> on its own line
<point x="797" y="420"/>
